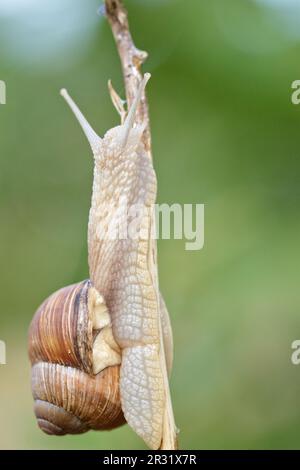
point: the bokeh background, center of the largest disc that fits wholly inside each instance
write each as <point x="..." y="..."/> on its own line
<point x="225" y="134"/>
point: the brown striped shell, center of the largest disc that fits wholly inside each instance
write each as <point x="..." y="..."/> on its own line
<point x="75" y="363"/>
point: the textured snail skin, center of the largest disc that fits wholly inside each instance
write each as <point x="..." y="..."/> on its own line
<point x="124" y="271"/>
<point x="68" y="397"/>
<point x="125" y="274"/>
<point x="120" y="272"/>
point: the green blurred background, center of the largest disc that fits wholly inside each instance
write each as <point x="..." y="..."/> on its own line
<point x="224" y="134"/>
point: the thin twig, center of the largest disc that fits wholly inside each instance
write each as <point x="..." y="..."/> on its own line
<point x="132" y="60"/>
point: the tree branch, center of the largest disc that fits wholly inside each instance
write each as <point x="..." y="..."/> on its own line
<point x="131" y="60"/>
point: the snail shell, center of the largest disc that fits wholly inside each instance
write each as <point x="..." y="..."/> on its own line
<point x="75" y="363"/>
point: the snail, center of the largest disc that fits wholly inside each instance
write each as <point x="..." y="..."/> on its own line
<point x="102" y="350"/>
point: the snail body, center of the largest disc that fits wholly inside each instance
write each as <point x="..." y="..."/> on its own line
<point x="102" y="350"/>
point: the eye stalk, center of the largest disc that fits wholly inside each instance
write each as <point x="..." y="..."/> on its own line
<point x="129" y="121"/>
<point x="91" y="135"/>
